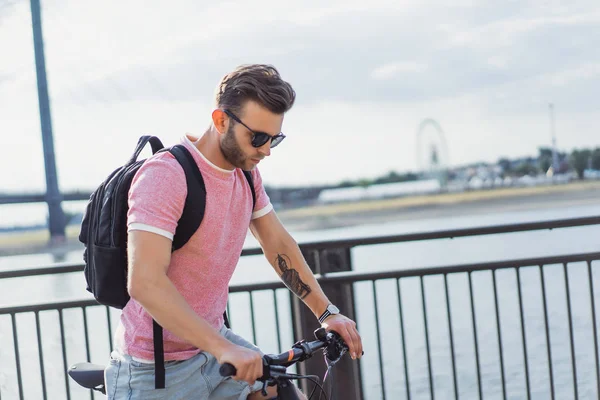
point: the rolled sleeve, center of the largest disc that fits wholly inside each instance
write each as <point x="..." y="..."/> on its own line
<point x="157" y="196"/>
<point x="263" y="204"/>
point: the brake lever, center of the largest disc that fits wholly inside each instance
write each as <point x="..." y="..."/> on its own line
<point x="274" y="371"/>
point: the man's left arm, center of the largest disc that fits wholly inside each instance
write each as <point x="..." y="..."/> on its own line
<point x="282" y="251"/>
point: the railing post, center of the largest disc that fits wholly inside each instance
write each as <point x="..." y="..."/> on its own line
<point x="346" y="378"/>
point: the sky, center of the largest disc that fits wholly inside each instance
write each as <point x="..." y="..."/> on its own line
<point x="366" y="73"/>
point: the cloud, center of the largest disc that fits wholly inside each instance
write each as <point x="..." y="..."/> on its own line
<point x="392" y="70"/>
<point x="570" y="76"/>
<point x="4" y="78"/>
<point x="486" y="70"/>
<point x="506" y="31"/>
<point x="352" y="52"/>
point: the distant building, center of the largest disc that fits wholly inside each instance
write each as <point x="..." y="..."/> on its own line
<point x="381" y="191"/>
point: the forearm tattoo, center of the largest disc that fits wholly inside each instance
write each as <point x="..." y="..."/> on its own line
<point x="291" y="277"/>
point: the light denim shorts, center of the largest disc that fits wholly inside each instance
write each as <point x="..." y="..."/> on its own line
<point x="194" y="378"/>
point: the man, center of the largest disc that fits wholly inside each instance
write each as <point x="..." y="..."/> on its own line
<point x="186" y="291"/>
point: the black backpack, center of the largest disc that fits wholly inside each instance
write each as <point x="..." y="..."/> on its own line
<point x="104" y="232"/>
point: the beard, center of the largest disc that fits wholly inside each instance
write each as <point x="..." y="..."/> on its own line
<point x="232" y="151"/>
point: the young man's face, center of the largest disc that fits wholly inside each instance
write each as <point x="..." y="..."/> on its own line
<point x="236" y="143"/>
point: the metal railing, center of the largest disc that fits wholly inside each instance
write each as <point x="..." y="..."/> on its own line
<point x="524" y="328"/>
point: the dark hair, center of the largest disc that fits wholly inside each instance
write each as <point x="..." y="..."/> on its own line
<point x="258" y="82"/>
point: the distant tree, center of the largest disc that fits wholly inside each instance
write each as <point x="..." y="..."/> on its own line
<point x="544" y="158"/>
<point x="579" y="160"/>
<point x="526" y="169"/>
<point x="596" y="158"/>
<point x="562" y="155"/>
<point x="391" y="177"/>
<point x="394" y="177"/>
<point x="505" y="164"/>
<point x="345" y="184"/>
<point x="364" y="182"/>
<point x="410" y="176"/>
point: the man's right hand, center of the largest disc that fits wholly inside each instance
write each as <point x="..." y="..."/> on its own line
<point x="248" y="363"/>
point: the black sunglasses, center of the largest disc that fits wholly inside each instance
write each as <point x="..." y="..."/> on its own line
<point x="258" y="138"/>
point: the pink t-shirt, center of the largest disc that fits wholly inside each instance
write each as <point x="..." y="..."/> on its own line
<point x="201" y="270"/>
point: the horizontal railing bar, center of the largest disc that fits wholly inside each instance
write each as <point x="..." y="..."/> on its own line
<point x="350" y="277"/>
<point x="55" y="269"/>
<point x="350" y="243"/>
<point x="353" y="276"/>
<point x="251" y="287"/>
<point x="49" y="306"/>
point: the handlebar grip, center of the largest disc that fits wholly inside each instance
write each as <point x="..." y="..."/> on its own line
<point x="227" y="370"/>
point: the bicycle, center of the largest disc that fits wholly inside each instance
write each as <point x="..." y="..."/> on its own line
<point x="275" y="366"/>
<point x="91" y="376"/>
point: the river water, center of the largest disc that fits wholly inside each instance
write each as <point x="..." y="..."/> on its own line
<point x="375" y="258"/>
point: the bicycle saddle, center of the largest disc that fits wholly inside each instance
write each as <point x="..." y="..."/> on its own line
<point x="88" y="375"/>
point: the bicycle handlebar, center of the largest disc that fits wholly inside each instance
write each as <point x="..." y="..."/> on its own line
<point x="274" y="365"/>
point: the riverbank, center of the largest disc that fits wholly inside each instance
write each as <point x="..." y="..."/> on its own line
<point x="375" y="211"/>
<point x="442" y="205"/>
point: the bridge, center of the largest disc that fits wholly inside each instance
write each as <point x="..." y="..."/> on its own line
<point x="19" y="198"/>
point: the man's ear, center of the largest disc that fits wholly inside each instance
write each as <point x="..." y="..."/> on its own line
<point x="220" y="120"/>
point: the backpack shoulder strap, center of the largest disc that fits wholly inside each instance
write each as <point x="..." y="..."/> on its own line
<point x="250" y="180"/>
<point x="143" y="140"/>
<point x="195" y="201"/>
<point x="159" y="356"/>
<point x="191" y="217"/>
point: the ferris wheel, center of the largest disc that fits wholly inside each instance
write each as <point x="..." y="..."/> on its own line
<point x="432" y="151"/>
